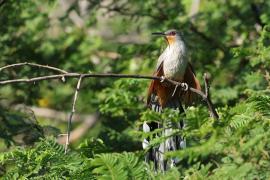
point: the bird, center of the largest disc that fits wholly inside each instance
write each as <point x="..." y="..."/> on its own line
<point x="172" y="64"/>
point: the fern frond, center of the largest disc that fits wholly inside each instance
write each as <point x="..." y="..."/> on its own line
<point x="262" y="104"/>
<point x="239" y="121"/>
<point x="108" y="166"/>
<point x="136" y="169"/>
<point x="118" y="166"/>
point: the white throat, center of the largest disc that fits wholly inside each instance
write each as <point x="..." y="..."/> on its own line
<point x="175" y="60"/>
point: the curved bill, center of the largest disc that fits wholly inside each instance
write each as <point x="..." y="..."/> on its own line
<point x="158" y="33"/>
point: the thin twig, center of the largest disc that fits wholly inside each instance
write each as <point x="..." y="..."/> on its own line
<point x="72" y="112"/>
<point x="211" y="107"/>
<point x="33" y="65"/>
<point x="80" y="130"/>
<point x="206" y="84"/>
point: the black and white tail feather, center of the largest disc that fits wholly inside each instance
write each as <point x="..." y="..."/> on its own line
<point x="172" y="143"/>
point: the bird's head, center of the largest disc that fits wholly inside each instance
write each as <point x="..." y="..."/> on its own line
<point x="171" y="36"/>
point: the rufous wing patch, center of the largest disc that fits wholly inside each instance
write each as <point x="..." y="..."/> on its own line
<point x="156" y="87"/>
<point x="190" y="78"/>
<point x="164" y="92"/>
<point x="154" y="83"/>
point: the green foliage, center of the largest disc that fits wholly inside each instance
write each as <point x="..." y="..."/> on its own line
<point x="118" y="166"/>
<point x="92" y="146"/>
<point x="47" y="160"/>
<point x="262" y="103"/>
<point x="237" y="146"/>
<point x="19" y="126"/>
<point x="122" y="97"/>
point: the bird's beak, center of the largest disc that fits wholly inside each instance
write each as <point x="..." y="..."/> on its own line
<point x="158" y="34"/>
<point x="161" y="34"/>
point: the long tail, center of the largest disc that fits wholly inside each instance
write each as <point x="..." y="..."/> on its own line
<point x="172" y="143"/>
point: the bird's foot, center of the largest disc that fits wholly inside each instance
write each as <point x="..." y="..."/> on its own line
<point x="184" y="86"/>
<point x="164" y="82"/>
<point x="162" y="79"/>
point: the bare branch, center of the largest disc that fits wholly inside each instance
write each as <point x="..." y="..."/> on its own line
<point x="205" y="95"/>
<point x="76" y="75"/>
<point x="73" y="111"/>
<point x="81" y="130"/>
<point x="206" y="84"/>
<point x="211" y="107"/>
<point x="194" y="9"/>
<point x="33" y="65"/>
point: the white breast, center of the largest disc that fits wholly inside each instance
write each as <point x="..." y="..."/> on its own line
<point x="175" y="60"/>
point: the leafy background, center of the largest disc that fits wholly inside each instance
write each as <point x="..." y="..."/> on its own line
<point x="228" y="39"/>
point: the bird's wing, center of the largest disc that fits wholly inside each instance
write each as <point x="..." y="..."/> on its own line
<point x="160" y="97"/>
<point x="190" y="78"/>
<point x="160" y="91"/>
<point x="154" y="83"/>
<point x="160" y="60"/>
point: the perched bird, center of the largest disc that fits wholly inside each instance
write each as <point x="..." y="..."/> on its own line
<point x="173" y="64"/>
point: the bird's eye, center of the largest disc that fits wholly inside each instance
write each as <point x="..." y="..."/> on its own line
<point x="172" y="33"/>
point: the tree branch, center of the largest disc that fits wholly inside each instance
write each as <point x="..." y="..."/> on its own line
<point x="72" y="112"/>
<point x="76" y="75"/>
<point x="81" y="130"/>
<point x="211" y="107"/>
<point x="205" y="96"/>
<point x="64" y="74"/>
<point x="33" y="65"/>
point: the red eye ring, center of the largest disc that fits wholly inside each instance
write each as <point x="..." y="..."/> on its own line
<point x="172" y="33"/>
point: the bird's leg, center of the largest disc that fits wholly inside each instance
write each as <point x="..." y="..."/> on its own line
<point x="162" y="79"/>
<point x="174" y="90"/>
<point x="184" y="87"/>
<point x="164" y="82"/>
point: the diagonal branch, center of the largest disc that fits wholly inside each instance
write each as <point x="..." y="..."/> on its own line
<point x="72" y="112"/>
<point x="211" y="107"/>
